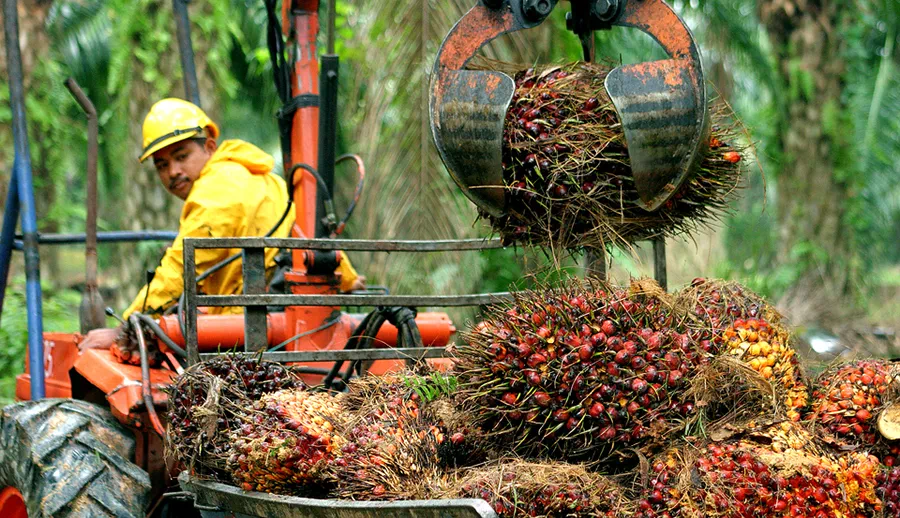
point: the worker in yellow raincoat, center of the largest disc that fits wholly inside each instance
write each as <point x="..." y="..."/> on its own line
<point x="228" y="189"/>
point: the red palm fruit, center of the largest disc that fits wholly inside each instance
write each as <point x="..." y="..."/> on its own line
<point x="846" y="398"/>
<point x="616" y="392"/>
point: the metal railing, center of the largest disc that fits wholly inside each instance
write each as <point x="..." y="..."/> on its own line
<point x="254" y="299"/>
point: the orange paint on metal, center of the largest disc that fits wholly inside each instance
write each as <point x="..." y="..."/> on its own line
<point x="60" y="353"/>
<point x="221" y="331"/>
<point x="658" y="19"/>
<point x="479" y="25"/>
<point x="12" y="504"/>
<point x="120" y="382"/>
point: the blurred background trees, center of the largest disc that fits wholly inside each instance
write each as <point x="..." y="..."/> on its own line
<point x="815" y="82"/>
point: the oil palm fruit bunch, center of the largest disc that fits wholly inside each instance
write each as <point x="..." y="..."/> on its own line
<point x="567" y="170"/>
<point x="580" y="369"/>
<point x="764" y="348"/>
<point x="286" y="441"/>
<point x="847" y="399"/>
<point x="393" y="438"/>
<point x="889" y="491"/>
<point x="773" y="471"/>
<point x="717" y="304"/>
<point x="550" y="489"/>
<point x="206" y="400"/>
<point x="430" y="397"/>
<point x="662" y="495"/>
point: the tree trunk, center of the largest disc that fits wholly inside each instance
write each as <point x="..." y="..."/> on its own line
<point x="811" y="194"/>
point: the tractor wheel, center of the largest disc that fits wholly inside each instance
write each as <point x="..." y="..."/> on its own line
<point x="68" y="458"/>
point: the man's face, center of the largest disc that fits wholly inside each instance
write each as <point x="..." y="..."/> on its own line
<point x="179" y="165"/>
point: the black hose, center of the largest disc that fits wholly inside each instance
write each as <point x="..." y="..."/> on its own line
<point x="154" y="327"/>
<point x="145" y="376"/>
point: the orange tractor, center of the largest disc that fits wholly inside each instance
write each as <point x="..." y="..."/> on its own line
<point x="87" y="438"/>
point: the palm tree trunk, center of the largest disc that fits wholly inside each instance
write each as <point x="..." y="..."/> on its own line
<point x="812" y="228"/>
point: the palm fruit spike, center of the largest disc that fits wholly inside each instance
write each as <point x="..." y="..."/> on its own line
<point x="551" y="489"/>
<point x="581" y="369"/>
<point x="775" y="471"/>
<point x="847" y="399"/>
<point x="204" y="403"/>
<point x="764" y="348"/>
<point x="286" y="442"/>
<point x="567" y="170"/>
<point x="889" y="491"/>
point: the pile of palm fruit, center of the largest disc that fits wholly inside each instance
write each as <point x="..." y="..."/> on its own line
<point x="567" y="171"/>
<point x="584" y="399"/>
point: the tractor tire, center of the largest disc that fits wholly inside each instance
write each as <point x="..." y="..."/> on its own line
<point x="69" y="458"/>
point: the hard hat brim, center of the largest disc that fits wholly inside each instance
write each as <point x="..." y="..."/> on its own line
<point x="156" y="146"/>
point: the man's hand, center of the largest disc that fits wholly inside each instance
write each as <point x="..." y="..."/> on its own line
<point x="99" y="339"/>
<point x="358" y="285"/>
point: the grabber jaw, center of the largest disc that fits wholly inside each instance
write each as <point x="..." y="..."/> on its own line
<point x="468" y="107"/>
<point x="662" y="104"/>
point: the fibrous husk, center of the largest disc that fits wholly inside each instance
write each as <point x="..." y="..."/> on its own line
<point x="567" y="168"/>
<point x="286" y="442"/>
<point x="848" y="399"/>
<point x="581" y="369"/>
<point x="517" y="488"/>
<point x="205" y="402"/>
<point x="774" y="470"/>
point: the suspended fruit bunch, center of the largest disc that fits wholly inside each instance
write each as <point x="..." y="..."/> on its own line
<point x="889" y="491"/>
<point x="580" y="369"/>
<point x="285" y="442"/>
<point x="764" y="348"/>
<point x="775" y="471"/>
<point x="568" y="174"/>
<point x="391" y="448"/>
<point x="205" y="402"/>
<point x="553" y="489"/>
<point x="847" y="399"/>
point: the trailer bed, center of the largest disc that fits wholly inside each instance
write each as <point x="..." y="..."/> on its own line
<point x="217" y="500"/>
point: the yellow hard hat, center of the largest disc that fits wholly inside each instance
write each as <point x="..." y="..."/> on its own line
<point x="173" y="120"/>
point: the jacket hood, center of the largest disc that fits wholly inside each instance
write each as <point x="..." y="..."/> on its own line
<point x="246" y="154"/>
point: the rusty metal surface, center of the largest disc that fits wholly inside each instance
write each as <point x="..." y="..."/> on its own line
<point x="351" y="300"/>
<point x="215" y="497"/>
<point x="364" y="245"/>
<point x="467" y="108"/>
<point x="190" y="301"/>
<point x="392" y="353"/>
<point x="662" y="104"/>
<point x="254" y="276"/>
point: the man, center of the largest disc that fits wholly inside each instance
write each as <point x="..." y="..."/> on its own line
<point x="228" y="191"/>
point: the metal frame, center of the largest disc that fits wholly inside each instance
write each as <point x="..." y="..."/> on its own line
<point x="213" y="498"/>
<point x="255" y="300"/>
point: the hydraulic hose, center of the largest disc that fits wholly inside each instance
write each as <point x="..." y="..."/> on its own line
<point x="145" y="376"/>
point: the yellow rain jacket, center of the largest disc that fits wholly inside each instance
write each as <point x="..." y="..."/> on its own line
<point x="235" y="196"/>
